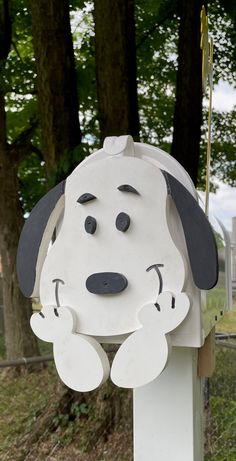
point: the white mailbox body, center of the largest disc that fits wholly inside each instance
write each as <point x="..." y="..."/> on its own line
<point x="216" y="302"/>
<point x="132" y="262"/>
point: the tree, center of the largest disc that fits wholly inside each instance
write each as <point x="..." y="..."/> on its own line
<point x="157" y="30"/>
<point x="188" y="106"/>
<point x="18" y="336"/>
<point x="56" y="79"/>
<point x="115" y="56"/>
<point x="156" y="45"/>
<point x="157" y="25"/>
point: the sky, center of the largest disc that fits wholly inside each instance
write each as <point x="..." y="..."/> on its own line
<point x="223" y="203"/>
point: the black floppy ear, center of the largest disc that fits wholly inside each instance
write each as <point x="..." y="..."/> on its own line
<point x="35" y="237"/>
<point x="198" y="233"/>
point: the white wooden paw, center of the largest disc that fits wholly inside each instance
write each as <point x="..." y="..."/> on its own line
<point x="53" y="323"/>
<point x="172" y="310"/>
<point x="81" y="362"/>
<point x="144" y="354"/>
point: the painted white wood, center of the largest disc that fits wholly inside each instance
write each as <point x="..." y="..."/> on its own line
<point x="146" y="242"/>
<point x="143" y="356"/>
<point x="47" y="236"/>
<point x="168" y="413"/>
<point x="153" y="155"/>
<point x="52" y="323"/>
<point x="155" y="233"/>
<point x="155" y="237"/>
<point x="81" y="362"/>
<point x="114" y="145"/>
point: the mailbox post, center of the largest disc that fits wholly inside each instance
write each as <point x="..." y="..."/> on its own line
<point x="133" y="259"/>
<point x="168" y="413"/>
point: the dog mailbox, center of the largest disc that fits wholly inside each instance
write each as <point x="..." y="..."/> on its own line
<point x="132" y="256"/>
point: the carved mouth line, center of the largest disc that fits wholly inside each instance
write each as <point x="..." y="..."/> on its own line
<point x="57" y="282"/>
<point x="156" y="268"/>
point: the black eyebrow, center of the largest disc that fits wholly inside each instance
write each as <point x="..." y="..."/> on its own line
<point x="128" y="188"/>
<point x="87" y="197"/>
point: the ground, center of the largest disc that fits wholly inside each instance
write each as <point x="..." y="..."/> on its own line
<point x="40" y="419"/>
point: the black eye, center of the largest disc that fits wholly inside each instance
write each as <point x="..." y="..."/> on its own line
<point x="122" y="222"/>
<point x="87" y="197"/>
<point x="90" y="225"/>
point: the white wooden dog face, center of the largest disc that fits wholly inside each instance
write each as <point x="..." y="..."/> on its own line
<point x="103" y="256"/>
<point x="112" y="265"/>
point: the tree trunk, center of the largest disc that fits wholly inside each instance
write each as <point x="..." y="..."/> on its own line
<point x="115" y="53"/>
<point x="188" y="108"/>
<point x="56" y="78"/>
<point x="19" y="339"/>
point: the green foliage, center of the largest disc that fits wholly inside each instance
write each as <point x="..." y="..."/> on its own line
<point x="223" y="408"/>
<point x="222" y="22"/>
<point x="157" y="65"/>
<point x="17" y="78"/>
<point x="83" y="36"/>
<point x="223" y="163"/>
<point x="20" y="72"/>
<point x="157" y="24"/>
<point x="68" y="161"/>
<point x="32" y="181"/>
<point x="223" y="146"/>
<point x="18" y="119"/>
<point x="157" y="34"/>
<point x="68" y="421"/>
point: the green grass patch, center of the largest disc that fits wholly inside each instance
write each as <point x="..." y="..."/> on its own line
<point x="23" y="398"/>
<point x="228" y="323"/>
<point x="222" y="427"/>
<point x="39" y="415"/>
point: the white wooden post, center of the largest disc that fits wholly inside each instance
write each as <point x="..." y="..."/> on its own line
<point x="168" y="413"/>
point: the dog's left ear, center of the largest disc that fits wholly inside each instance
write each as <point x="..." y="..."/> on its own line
<point x="198" y="233"/>
<point x="35" y="237"/>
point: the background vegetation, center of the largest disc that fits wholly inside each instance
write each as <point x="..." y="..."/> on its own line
<point x="40" y="420"/>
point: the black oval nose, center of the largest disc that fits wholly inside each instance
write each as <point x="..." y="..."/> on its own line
<point x="106" y="283"/>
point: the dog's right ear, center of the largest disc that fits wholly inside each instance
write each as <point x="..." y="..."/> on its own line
<point x="35" y="238"/>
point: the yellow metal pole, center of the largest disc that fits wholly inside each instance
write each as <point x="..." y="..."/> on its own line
<point x="207" y="76"/>
<point x="208" y="165"/>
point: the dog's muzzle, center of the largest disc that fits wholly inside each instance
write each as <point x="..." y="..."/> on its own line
<point x="106" y="283"/>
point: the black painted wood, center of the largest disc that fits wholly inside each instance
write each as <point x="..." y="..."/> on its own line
<point x="31" y="237"/>
<point x="128" y="188"/>
<point x="200" y="240"/>
<point x="90" y="225"/>
<point x="122" y="222"/>
<point x="87" y="197"/>
<point x="103" y="283"/>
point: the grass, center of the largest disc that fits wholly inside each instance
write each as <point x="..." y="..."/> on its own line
<point x="228" y="323"/>
<point x="23" y="398"/>
<point x="222" y="427"/>
<point x="35" y="424"/>
<point x="40" y="416"/>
